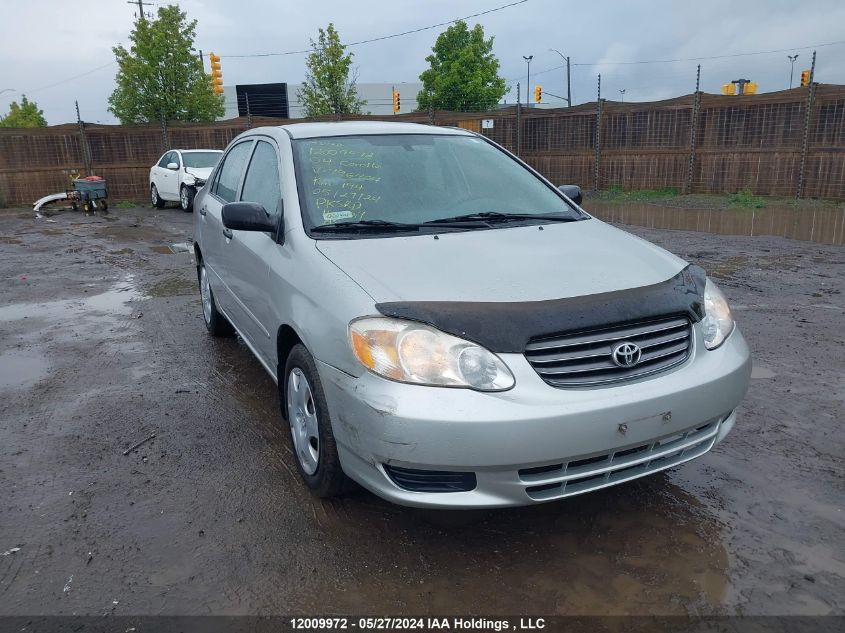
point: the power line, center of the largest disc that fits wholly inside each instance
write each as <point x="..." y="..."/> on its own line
<point x="686" y="59"/>
<point x="69" y="79"/>
<point x="385" y="37"/>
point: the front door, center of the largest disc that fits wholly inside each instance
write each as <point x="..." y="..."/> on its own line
<point x="250" y="251"/>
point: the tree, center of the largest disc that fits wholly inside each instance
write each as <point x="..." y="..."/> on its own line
<point x="464" y="72"/>
<point x="161" y="75"/>
<point x="327" y="88"/>
<point x="25" y="114"/>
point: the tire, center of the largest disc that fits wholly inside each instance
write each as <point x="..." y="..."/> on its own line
<point x="158" y="203"/>
<point x="305" y="409"/>
<point x="186" y="198"/>
<point x="215" y="322"/>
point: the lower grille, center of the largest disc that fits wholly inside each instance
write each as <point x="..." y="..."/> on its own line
<point x="584" y="359"/>
<point x="430" y="480"/>
<point x="564" y="479"/>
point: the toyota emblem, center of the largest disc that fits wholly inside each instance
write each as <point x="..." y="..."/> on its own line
<point x="627" y="354"/>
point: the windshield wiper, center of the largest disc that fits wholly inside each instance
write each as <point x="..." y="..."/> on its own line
<point x="388" y="226"/>
<point x="496" y="216"/>
<point x="381" y="225"/>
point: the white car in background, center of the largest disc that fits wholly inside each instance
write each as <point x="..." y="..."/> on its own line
<point x="179" y="173"/>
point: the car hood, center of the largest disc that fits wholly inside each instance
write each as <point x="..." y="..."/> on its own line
<point x="503" y="265"/>
<point x="200" y="172"/>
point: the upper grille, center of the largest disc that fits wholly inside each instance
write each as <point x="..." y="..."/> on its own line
<point x="586" y="358"/>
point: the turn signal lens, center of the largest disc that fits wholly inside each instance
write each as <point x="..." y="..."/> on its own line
<point x="407" y="351"/>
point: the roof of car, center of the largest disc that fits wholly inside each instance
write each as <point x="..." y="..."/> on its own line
<point x="188" y="151"/>
<point x="349" y="128"/>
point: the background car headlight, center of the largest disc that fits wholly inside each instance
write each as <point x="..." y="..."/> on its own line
<point x="407" y="351"/>
<point x="717" y="322"/>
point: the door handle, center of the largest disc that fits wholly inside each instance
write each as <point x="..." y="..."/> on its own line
<point x="227" y="233"/>
<point x="203" y="210"/>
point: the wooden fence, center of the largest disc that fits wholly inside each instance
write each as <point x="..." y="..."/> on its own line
<point x="784" y="143"/>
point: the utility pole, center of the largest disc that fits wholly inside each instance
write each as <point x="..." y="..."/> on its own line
<point x="140" y="4"/>
<point x="791" y="59"/>
<point x="622" y="92"/>
<point x="568" y="86"/>
<point x="528" y="83"/>
<point x="83" y="141"/>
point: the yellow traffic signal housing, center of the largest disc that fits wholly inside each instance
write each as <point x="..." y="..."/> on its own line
<point x="750" y="88"/>
<point x="728" y="89"/>
<point x="216" y="73"/>
<point x="538" y="94"/>
<point x="397" y="104"/>
<point x="805" y="77"/>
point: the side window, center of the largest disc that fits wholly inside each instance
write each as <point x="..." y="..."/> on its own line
<point x="164" y="160"/>
<point x="261" y="183"/>
<point x="229" y="176"/>
<point x="174" y="158"/>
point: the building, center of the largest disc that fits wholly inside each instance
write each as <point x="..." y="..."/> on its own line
<point x="280" y="99"/>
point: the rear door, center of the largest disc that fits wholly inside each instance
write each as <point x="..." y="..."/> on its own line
<point x="248" y="252"/>
<point x="224" y="188"/>
<point x="158" y="170"/>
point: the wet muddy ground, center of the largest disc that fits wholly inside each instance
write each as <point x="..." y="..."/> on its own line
<point x="102" y="345"/>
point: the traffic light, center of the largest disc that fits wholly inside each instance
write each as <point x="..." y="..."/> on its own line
<point x="805" y="77"/>
<point x="750" y="88"/>
<point x="216" y="73"/>
<point x="728" y="89"/>
<point x="538" y="94"/>
<point x="396" y="103"/>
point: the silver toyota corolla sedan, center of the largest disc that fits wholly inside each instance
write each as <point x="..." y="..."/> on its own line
<point x="449" y="329"/>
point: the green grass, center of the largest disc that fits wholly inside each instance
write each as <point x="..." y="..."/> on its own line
<point x="616" y="192"/>
<point x="747" y="200"/>
<point x="128" y="204"/>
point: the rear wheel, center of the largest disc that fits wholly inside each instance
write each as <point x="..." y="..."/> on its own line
<point x="158" y="203"/>
<point x="186" y="198"/>
<point x="305" y="409"/>
<point x="215" y="322"/>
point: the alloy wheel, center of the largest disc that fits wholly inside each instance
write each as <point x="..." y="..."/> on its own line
<point x="302" y="416"/>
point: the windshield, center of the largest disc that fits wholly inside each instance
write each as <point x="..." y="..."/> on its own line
<point x="416" y="179"/>
<point x="201" y="160"/>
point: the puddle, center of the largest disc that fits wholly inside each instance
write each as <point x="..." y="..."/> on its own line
<point x="114" y="301"/>
<point x="762" y="372"/>
<point x="179" y="247"/>
<point x="21" y="368"/>
<point x="824" y="226"/>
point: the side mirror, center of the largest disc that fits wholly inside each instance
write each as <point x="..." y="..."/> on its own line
<point x="247" y="216"/>
<point x="173" y="166"/>
<point x="573" y="192"/>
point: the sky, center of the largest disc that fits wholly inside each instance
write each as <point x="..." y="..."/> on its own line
<point x="51" y="45"/>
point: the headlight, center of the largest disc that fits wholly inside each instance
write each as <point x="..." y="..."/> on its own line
<point x="717" y="322"/>
<point x="407" y="351"/>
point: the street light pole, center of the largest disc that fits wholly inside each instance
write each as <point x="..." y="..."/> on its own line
<point x="792" y="59"/>
<point x="7" y="90"/>
<point x="528" y="83"/>
<point x="568" y="88"/>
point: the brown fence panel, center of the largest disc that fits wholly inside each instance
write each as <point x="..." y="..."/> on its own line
<point x="749" y="143"/>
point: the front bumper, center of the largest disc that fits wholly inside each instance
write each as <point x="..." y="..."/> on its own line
<point x="534" y="443"/>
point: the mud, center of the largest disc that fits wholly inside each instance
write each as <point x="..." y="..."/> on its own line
<point x="102" y="345"/>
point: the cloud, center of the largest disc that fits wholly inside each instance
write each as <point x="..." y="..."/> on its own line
<point x="47" y="47"/>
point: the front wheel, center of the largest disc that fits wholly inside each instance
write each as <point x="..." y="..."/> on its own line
<point x="305" y="409"/>
<point x="215" y="322"/>
<point x="186" y="198"/>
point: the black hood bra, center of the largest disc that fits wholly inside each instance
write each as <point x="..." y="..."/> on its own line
<point x="506" y="327"/>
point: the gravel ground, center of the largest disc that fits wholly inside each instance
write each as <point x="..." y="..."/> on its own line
<point x="102" y="345"/>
